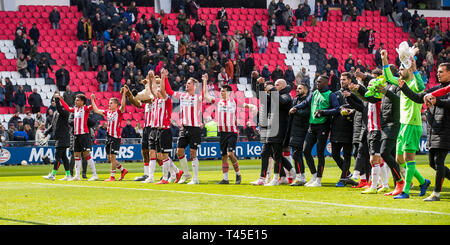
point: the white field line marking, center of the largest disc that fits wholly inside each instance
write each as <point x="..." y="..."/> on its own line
<point x="258" y="198"/>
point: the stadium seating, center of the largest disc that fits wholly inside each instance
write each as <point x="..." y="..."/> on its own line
<point x="328" y="37"/>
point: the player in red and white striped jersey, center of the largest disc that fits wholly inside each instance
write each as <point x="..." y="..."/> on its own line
<point x="190" y="134"/>
<point x="226" y="115"/>
<point x="162" y="115"/>
<point x="83" y="141"/>
<point x="114" y="117"/>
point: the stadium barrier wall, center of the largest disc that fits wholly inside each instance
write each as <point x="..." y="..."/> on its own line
<point x="132" y="152"/>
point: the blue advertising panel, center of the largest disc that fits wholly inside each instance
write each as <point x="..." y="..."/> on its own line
<point x="132" y="152"/>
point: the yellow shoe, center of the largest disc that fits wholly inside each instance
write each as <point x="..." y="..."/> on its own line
<point x="383" y="190"/>
<point x="369" y="191"/>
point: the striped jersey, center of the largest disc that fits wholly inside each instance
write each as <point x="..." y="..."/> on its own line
<point x="114" y="118"/>
<point x="373" y="116"/>
<point x="190" y="108"/>
<point x="147" y="114"/>
<point x="227" y="115"/>
<point x="80" y="117"/>
<point x="163" y="112"/>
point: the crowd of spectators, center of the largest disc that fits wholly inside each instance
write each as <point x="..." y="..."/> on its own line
<point x="121" y="45"/>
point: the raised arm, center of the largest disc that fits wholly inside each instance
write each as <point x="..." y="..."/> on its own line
<point x="94" y="106"/>
<point x="206" y="95"/>
<point x="123" y="102"/>
<point x="162" y="84"/>
<point x="64" y="104"/>
<point x="387" y="70"/>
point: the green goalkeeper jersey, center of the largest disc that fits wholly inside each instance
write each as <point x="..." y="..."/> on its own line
<point x="410" y="111"/>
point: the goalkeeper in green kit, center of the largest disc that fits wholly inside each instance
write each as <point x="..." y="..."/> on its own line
<point x="408" y="139"/>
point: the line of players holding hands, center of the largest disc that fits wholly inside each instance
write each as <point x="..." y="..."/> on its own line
<point x="383" y="128"/>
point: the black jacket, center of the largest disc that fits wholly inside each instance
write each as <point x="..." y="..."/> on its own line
<point x="438" y="117"/>
<point x="60" y="126"/>
<point x="298" y="124"/>
<point x="276" y="133"/>
<point x="342" y="126"/>
<point x="390" y="110"/>
<point x="62" y="77"/>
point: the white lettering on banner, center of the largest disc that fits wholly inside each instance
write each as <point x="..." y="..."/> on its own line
<point x="239" y="151"/>
<point x="253" y="150"/>
<point x="99" y="153"/>
<point x="423" y="146"/>
<point x="209" y="151"/>
<point x="37" y="154"/>
<point x="126" y="152"/>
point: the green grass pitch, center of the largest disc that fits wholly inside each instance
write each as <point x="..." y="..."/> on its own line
<point x="27" y="198"/>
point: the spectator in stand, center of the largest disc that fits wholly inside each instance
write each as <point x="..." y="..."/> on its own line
<point x="14" y="120"/>
<point x="39" y="118"/>
<point x="424" y="74"/>
<point x="222" y="78"/>
<point x="128" y="132"/>
<point x="116" y="76"/>
<point x="35" y="101"/>
<point x="31" y="66"/>
<point x="232" y="48"/>
<point x="345" y="9"/>
<point x="20" y="134"/>
<point x="34" y="34"/>
<point x="250" y="132"/>
<point x="353" y="13"/>
<point x="378" y="62"/>
<point x="197" y="30"/>
<point x="2" y="94"/>
<point x="288" y="12"/>
<point x="318" y="11"/>
<point x="139" y="130"/>
<point x="277" y="73"/>
<point x="360" y="66"/>
<point x="264" y="44"/>
<point x="229" y="69"/>
<point x="299" y="14"/>
<point x="349" y="63"/>
<point x="39" y="135"/>
<point x="9" y="91"/>
<point x="85" y="58"/>
<point x="193" y="7"/>
<point x="225" y="47"/>
<point x="107" y="35"/>
<point x="62" y="78"/>
<point x="49" y="118"/>
<point x="265" y="73"/>
<point x="20" y="99"/>
<point x="406" y="19"/>
<point x="213" y="30"/>
<point x="325" y="10"/>
<point x="334" y="64"/>
<point x="80" y="29"/>
<point x="258" y="32"/>
<point x="28" y="119"/>
<point x="399" y="8"/>
<point x="362" y="37"/>
<point x="43" y="66"/>
<point x="242" y="48"/>
<point x="224" y="26"/>
<point x="94" y="59"/>
<point x="248" y="41"/>
<point x="370" y="41"/>
<point x="10" y="132"/>
<point x="369" y="5"/>
<point x="54" y="18"/>
<point x="31" y="132"/>
<point x="293" y="43"/>
<point x="334" y="84"/>
<point x="19" y="43"/>
<point x="389" y="9"/>
<point x="22" y="66"/>
<point x="221" y="13"/>
<point x="69" y="96"/>
<point x="101" y="133"/>
<point x="289" y="76"/>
